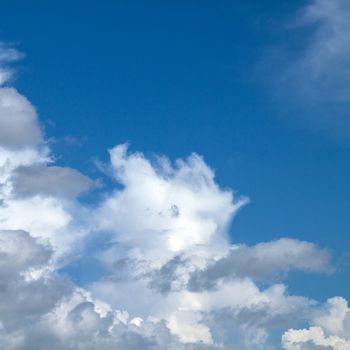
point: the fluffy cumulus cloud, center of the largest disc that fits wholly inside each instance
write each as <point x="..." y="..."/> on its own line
<point x="40" y="309"/>
<point x="172" y="278"/>
<point x="330" y="329"/>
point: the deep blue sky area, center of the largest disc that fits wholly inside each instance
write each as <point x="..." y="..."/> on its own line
<point x="175" y="77"/>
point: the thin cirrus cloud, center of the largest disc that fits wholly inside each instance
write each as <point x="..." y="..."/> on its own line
<point x="324" y="66"/>
<point x="319" y="70"/>
<point x="173" y="279"/>
<point x="311" y="80"/>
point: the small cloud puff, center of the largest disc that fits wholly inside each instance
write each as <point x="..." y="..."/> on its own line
<point x="8" y="54"/>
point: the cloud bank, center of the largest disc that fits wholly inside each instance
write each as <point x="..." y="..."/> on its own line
<point x="172" y="277"/>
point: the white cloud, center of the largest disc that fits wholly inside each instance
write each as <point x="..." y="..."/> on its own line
<point x="173" y="278"/>
<point x="168" y="225"/>
<point x="330" y="329"/>
<point x="36" y="196"/>
<point x="48" y="311"/>
<point x="163" y="210"/>
<point x="166" y="222"/>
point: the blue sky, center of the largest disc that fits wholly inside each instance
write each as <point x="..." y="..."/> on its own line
<point x="259" y="89"/>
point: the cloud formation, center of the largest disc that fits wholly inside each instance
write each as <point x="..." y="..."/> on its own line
<point x="330" y="329"/>
<point x="172" y="277"/>
<point x="263" y="261"/>
<point x="40" y="309"/>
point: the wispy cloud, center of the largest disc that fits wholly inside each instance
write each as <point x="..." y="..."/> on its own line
<point x="324" y="68"/>
<point x="310" y="71"/>
<point x="8" y="54"/>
